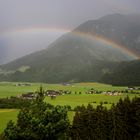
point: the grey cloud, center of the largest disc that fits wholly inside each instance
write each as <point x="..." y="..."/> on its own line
<point x="16" y="14"/>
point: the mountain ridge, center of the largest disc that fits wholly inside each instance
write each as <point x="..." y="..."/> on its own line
<point x="75" y="58"/>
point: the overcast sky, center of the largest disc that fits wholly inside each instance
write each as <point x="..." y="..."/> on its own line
<point x="58" y="14"/>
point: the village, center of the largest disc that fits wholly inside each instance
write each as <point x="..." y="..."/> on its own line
<point x="54" y="93"/>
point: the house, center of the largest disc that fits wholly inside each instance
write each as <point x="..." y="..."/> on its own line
<point x="29" y="95"/>
<point x="113" y="93"/>
<point x="52" y="93"/>
<point x="23" y="84"/>
<point x="66" y="84"/>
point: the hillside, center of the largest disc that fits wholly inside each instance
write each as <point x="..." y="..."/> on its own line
<point x="126" y="74"/>
<point x="75" y="57"/>
<point x="122" y="29"/>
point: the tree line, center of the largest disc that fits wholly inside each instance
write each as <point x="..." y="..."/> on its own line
<point x="120" y="122"/>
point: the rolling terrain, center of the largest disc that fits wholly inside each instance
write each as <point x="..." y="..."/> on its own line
<point x="83" y="54"/>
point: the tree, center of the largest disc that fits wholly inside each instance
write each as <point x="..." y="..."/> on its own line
<point x="38" y="123"/>
<point x="90" y="124"/>
<point x="120" y="122"/>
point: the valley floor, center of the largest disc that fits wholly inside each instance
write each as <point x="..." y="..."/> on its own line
<point x="74" y="99"/>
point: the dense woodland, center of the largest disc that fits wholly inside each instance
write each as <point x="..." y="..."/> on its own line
<point x="121" y="122"/>
<point x="120" y="74"/>
<point x="14" y="102"/>
<point x="126" y="74"/>
<point x="38" y="122"/>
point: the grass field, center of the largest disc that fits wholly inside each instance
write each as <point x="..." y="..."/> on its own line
<point x="85" y="99"/>
<point x="5" y="116"/>
<point x="8" y="89"/>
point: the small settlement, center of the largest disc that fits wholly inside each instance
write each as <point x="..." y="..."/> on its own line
<point x="54" y="93"/>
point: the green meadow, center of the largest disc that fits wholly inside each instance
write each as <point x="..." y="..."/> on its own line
<point x="85" y="99"/>
<point x="8" y="89"/>
<point x="6" y="115"/>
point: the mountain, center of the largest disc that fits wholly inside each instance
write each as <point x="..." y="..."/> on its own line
<point x="77" y="56"/>
<point x="126" y="74"/>
<point x="122" y="29"/>
<point x="58" y="64"/>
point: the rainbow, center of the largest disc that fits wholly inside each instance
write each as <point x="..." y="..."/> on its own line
<point x="111" y="43"/>
<point x="93" y="37"/>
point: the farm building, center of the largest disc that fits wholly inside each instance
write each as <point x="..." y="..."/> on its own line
<point x="52" y="93"/>
<point x="29" y="95"/>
